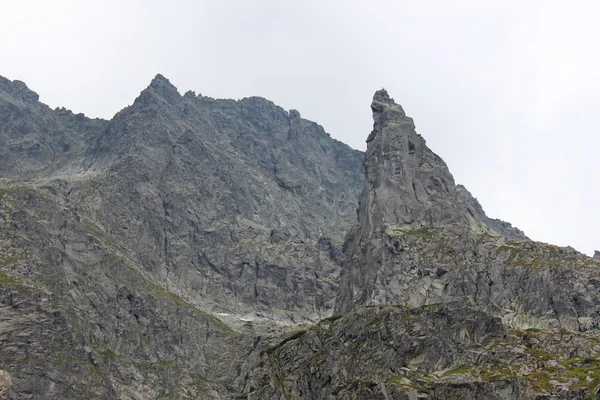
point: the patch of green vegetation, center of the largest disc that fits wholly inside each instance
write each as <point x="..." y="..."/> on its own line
<point x="537" y="353"/>
<point x="109" y="353"/>
<point x="403" y="382"/>
<point x="423" y="233"/>
<point x="493" y="373"/>
<point x="293" y="336"/>
<point x="333" y="318"/>
<point x="14" y="257"/>
<point x="461" y="369"/>
<point x="517" y="333"/>
<point x="540" y="381"/>
<point x="6" y="280"/>
<point x="95" y="231"/>
<point x="365" y="383"/>
<point x="533" y="330"/>
<point x="586" y="371"/>
<point x="113" y="259"/>
<point x="164" y="364"/>
<point x="318" y="356"/>
<point x="376" y="320"/>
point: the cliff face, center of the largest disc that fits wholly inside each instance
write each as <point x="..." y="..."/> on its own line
<point x="441" y="351"/>
<point x="436" y="299"/>
<point x="191" y="248"/>
<point x="420" y="240"/>
<point x="35" y="140"/>
<point x="406" y="183"/>
<point x="125" y="240"/>
<point x="231" y="197"/>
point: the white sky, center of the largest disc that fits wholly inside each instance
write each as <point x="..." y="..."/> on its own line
<point x="505" y="91"/>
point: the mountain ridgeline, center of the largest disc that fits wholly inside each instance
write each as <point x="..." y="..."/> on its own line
<point x="199" y="248"/>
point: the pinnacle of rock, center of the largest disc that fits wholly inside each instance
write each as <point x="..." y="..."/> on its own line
<point x="407" y="183"/>
<point x="160" y="88"/>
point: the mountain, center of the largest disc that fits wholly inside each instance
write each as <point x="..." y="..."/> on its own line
<point x="419" y="242"/>
<point x="125" y="240"/>
<point x="437" y="300"/>
<point x="200" y="248"/>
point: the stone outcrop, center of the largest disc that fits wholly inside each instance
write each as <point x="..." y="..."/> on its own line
<point x="195" y="248"/>
<point x="439" y="351"/>
<point x="35" y="141"/>
<point x="152" y="235"/>
<point x="422" y="240"/>
<point x="406" y="183"/>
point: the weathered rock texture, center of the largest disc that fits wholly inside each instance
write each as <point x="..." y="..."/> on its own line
<point x="125" y="238"/>
<point x="450" y="351"/>
<point x="421" y="240"/>
<point x="170" y="251"/>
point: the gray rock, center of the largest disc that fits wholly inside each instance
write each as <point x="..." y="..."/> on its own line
<point x="421" y="240"/>
<point x="191" y="248"/>
<point x="433" y="352"/>
<point x="502" y="227"/>
<point x="142" y="229"/>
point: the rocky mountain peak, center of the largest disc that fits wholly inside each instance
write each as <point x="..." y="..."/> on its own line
<point x="176" y="249"/>
<point x="421" y="239"/>
<point x="160" y="82"/>
<point x="407" y="183"/>
<point x="160" y="88"/>
<point x="381" y="96"/>
<point x="17" y="90"/>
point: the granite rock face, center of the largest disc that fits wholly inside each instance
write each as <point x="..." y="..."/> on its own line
<point x="443" y="351"/>
<point x="197" y="248"/>
<point x="422" y="240"/>
<point x="134" y="239"/>
<point x="35" y="141"/>
<point x="406" y="183"/>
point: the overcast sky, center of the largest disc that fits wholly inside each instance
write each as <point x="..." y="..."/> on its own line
<point x="507" y="92"/>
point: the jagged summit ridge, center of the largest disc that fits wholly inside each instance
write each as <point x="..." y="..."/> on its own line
<point x="17" y="89"/>
<point x="187" y="206"/>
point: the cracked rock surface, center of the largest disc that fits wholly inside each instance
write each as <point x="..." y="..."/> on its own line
<point x="200" y="248"/>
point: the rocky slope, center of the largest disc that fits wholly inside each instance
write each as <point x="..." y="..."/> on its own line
<point x="420" y="241"/>
<point x="443" y="351"/>
<point x="191" y="248"/>
<point x="437" y="300"/>
<point x="128" y="237"/>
